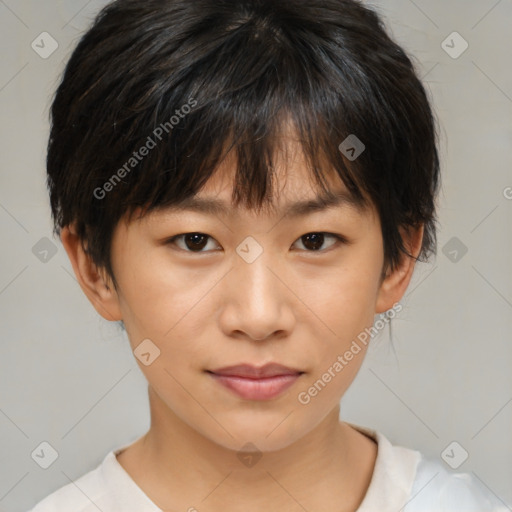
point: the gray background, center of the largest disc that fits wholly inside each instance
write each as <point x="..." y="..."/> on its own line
<point x="68" y="377"/>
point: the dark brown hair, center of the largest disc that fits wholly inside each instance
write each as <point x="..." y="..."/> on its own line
<point x="190" y="80"/>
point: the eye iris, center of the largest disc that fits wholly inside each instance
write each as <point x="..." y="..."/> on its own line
<point x="198" y="241"/>
<point x="317" y="240"/>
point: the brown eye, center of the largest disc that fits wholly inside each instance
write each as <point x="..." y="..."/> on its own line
<point x="193" y="242"/>
<point x="314" y="241"/>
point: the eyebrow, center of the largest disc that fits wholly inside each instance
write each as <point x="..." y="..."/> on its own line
<point x="322" y="202"/>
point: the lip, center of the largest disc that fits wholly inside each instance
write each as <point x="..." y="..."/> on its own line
<point x="256" y="372"/>
<point x="256" y="383"/>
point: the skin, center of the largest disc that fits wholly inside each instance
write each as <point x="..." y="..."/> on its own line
<point x="292" y="305"/>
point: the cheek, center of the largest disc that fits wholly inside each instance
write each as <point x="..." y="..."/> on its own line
<point x="353" y="298"/>
<point x="156" y="298"/>
<point x="161" y="305"/>
<point x="348" y="309"/>
<point x="346" y="300"/>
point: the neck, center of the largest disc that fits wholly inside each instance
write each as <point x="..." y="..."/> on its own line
<point x="179" y="468"/>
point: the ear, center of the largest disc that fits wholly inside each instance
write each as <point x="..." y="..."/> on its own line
<point x="395" y="282"/>
<point x="96" y="285"/>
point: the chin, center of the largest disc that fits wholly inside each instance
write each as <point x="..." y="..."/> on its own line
<point x="267" y="432"/>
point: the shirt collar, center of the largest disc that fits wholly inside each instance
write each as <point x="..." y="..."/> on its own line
<point x="393" y="475"/>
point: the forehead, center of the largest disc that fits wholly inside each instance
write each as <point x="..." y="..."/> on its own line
<point x="290" y="205"/>
<point x="294" y="190"/>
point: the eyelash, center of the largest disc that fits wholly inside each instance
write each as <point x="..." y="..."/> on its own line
<point x="339" y="239"/>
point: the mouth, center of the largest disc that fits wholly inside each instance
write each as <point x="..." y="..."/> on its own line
<point x="256" y="383"/>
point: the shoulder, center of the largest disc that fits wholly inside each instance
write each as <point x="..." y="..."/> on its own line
<point x="84" y="494"/>
<point x="437" y="488"/>
<point x="404" y="479"/>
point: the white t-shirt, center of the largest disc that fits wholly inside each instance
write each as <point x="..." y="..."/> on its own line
<point x="403" y="480"/>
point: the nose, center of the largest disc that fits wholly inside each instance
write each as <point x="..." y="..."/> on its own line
<point x="257" y="301"/>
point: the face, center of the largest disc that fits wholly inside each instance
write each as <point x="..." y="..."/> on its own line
<point x="289" y="287"/>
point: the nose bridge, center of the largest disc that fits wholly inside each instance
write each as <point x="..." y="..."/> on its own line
<point x="256" y="303"/>
<point x="253" y="276"/>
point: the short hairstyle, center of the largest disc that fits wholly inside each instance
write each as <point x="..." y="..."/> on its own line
<point x="189" y="81"/>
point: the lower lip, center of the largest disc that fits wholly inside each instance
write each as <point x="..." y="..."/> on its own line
<point x="257" y="389"/>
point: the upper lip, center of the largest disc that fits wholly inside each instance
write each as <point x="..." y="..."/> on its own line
<point x="255" y="372"/>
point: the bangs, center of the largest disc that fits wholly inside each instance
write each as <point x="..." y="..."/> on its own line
<point x="248" y="106"/>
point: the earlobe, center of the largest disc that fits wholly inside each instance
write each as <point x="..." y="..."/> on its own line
<point x="94" y="283"/>
<point x="396" y="281"/>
